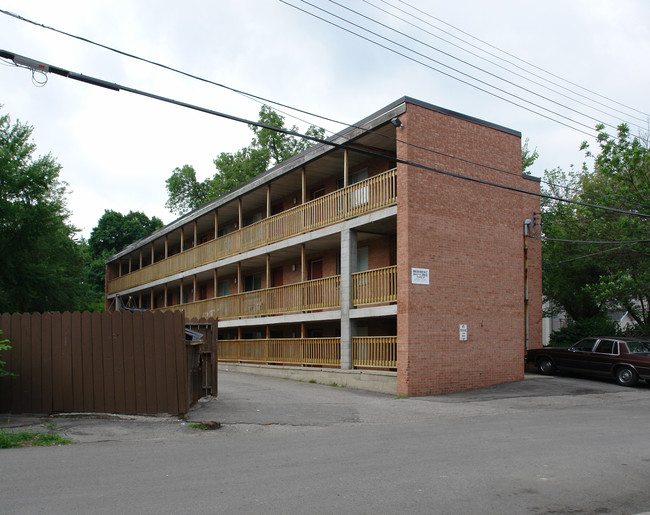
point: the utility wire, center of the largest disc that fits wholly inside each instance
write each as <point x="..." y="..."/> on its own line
<point x="612" y="242"/>
<point x="520" y="75"/>
<point x="247" y="94"/>
<point x="451" y="56"/>
<point x="513" y="56"/>
<point x="117" y="87"/>
<point x="257" y="98"/>
<point x="441" y="71"/>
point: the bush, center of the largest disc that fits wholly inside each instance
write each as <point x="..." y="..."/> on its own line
<point x="574" y="331"/>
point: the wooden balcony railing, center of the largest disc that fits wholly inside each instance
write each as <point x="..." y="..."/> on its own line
<point x="370" y="287"/>
<point x="374" y="286"/>
<point x="363" y="197"/>
<point x="367" y="351"/>
<point x="306" y="296"/>
<point x="299" y="351"/>
<point x="374" y="351"/>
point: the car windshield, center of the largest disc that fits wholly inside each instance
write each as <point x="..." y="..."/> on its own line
<point x="639" y="346"/>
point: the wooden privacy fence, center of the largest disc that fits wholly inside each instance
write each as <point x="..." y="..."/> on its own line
<point x="131" y="363"/>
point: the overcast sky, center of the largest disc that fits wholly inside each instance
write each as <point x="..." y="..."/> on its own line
<point x="117" y="149"/>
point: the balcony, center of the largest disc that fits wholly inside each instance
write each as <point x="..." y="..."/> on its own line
<point x="367" y="351"/>
<point x="376" y="286"/>
<point x="363" y="197"/>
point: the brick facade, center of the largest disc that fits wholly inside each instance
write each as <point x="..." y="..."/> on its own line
<point x="470" y="238"/>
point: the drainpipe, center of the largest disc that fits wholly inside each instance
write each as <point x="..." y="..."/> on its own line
<point x="527" y="226"/>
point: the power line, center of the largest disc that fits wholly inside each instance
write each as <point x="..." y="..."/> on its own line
<point x="261" y="99"/>
<point x="520" y="75"/>
<point x="241" y="92"/>
<point x="594" y="242"/>
<point x="514" y="57"/>
<point x="245" y="93"/>
<point x="117" y="87"/>
<point x="440" y="71"/>
<point x="511" y="83"/>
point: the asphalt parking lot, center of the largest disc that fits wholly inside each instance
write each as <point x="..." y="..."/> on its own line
<point x="542" y="445"/>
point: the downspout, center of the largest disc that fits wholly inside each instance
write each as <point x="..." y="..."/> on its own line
<point x="527" y="224"/>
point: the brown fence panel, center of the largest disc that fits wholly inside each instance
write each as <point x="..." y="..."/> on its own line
<point x="95" y="362"/>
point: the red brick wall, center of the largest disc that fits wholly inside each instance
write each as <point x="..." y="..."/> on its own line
<point x="470" y="237"/>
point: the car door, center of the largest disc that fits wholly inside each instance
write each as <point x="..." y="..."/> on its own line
<point x="604" y="355"/>
<point x="580" y="355"/>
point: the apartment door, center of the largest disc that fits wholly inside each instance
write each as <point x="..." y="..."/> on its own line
<point x="315" y="291"/>
<point x="276" y="277"/>
<point x="316" y="269"/>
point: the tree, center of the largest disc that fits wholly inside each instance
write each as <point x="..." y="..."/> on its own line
<point x="267" y="148"/>
<point x="41" y="263"/>
<point x="113" y="232"/>
<point x="528" y="157"/>
<point x="587" y="279"/>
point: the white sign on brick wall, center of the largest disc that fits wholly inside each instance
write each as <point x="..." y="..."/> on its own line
<point x="419" y="275"/>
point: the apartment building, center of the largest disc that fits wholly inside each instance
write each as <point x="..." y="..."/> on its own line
<point x="406" y="245"/>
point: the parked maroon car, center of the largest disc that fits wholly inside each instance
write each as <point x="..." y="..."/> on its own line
<point x="625" y="359"/>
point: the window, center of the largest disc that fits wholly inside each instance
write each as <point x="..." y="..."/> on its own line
<point x="607" y="347"/>
<point x="250" y="220"/>
<point x="585" y="345"/>
<point x="253" y="282"/>
<point x="223" y="288"/>
<point x="223" y="231"/>
<point x="638" y="346"/>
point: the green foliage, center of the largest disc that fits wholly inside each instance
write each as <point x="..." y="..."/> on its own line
<point x="10" y="440"/>
<point x="267" y="148"/>
<point x="113" y="232"/>
<point x="41" y="265"/>
<point x="528" y="157"/>
<point x="575" y="331"/>
<point x="587" y="279"/>
<point x="4" y="346"/>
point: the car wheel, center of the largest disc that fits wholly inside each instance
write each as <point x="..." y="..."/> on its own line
<point x="545" y="366"/>
<point x="625" y="376"/>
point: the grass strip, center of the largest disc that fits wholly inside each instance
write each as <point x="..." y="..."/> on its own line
<point x="10" y="440"/>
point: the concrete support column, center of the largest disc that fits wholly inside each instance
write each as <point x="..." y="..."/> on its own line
<point x="196" y="234"/>
<point x="182" y="239"/>
<point x="268" y="271"/>
<point x="216" y="225"/>
<point x="166" y="246"/>
<point x="151" y="299"/>
<point x="303" y="183"/>
<point x="152" y="254"/>
<point x="348" y="267"/>
<point x="215" y="282"/>
<point x="165" y="299"/>
<point x="180" y="293"/>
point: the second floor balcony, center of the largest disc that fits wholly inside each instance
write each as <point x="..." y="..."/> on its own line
<point x="363" y="197"/>
<point x="372" y="287"/>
